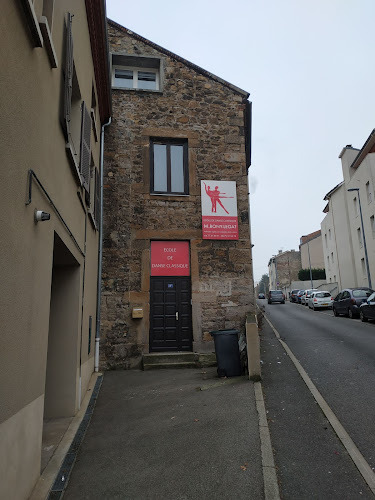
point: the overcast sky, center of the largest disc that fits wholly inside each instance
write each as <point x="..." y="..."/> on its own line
<point x="309" y="68"/>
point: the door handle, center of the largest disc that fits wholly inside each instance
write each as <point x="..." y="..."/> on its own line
<point x="177" y="315"/>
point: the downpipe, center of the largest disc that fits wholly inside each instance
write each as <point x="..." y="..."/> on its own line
<point x="100" y="255"/>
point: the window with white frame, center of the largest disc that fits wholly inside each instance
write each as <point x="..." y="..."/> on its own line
<point x="359" y="233"/>
<point x="363" y="267"/>
<point x="368" y="192"/>
<point x="355" y="204"/>
<point x="135" y="78"/>
<point x="136" y="72"/>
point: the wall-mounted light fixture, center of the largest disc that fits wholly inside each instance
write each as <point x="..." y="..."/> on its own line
<point x="41" y="216"/>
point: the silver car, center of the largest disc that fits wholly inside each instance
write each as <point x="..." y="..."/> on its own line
<point x="320" y="299"/>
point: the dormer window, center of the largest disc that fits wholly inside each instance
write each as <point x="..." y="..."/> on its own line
<point x="136" y="72"/>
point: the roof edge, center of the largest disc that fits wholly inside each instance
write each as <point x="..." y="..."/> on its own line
<point x="204" y="72"/>
<point x="330" y="193"/>
<point x="368" y="145"/>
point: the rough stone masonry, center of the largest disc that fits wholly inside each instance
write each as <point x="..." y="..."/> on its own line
<point x="211" y="115"/>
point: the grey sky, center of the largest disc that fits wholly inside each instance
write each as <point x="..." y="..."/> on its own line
<point x="309" y="68"/>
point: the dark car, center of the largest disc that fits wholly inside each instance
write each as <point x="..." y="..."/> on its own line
<point x="348" y="301"/>
<point x="367" y="309"/>
<point x="276" y="296"/>
<point x="261" y="296"/>
<point x="299" y="296"/>
<point x="293" y="295"/>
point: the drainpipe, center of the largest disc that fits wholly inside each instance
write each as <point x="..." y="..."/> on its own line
<point x="100" y="254"/>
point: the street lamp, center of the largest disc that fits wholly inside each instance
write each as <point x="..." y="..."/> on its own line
<point x="364" y="237"/>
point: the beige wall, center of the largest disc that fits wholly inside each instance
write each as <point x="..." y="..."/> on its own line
<point x="315" y="248"/>
<point x="32" y="138"/>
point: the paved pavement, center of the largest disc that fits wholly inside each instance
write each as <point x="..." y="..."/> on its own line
<point x="170" y="434"/>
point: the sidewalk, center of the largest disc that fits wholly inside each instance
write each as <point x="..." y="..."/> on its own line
<point x="170" y="434"/>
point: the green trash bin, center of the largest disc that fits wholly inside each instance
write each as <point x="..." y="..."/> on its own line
<point x="227" y="352"/>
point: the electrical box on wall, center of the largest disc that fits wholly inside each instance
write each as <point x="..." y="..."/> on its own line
<point x="137" y="312"/>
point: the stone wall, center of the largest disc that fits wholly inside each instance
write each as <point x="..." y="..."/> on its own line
<point x="210" y="115"/>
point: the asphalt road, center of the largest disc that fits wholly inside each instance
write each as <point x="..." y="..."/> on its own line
<point x="339" y="356"/>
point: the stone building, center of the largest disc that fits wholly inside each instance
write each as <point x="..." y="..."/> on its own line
<point x="168" y="281"/>
<point x="55" y="97"/>
<point x="283" y="269"/>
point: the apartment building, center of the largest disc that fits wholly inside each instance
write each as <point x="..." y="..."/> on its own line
<point x="177" y="258"/>
<point x="348" y="229"/>
<point x="55" y="97"/>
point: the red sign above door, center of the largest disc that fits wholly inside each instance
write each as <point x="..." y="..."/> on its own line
<point x="170" y="258"/>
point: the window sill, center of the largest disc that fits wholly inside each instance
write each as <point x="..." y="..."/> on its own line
<point x="44" y="28"/>
<point x="32" y="22"/>
<point x="170" y="195"/>
<point x="138" y="90"/>
<point x="93" y="221"/>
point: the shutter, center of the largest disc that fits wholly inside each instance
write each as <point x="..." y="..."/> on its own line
<point x="85" y="147"/>
<point x="68" y="78"/>
<point x="97" y="199"/>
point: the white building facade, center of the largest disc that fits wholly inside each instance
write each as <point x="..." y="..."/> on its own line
<point x="348" y="229"/>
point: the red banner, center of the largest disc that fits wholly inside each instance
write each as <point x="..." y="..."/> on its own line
<point x="170" y="258"/>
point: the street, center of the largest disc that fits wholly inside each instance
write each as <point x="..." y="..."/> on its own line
<point x="338" y="354"/>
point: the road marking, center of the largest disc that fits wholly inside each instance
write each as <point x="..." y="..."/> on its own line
<point x="357" y="457"/>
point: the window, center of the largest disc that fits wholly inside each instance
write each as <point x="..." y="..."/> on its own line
<point x="332" y="257"/>
<point x="359" y="237"/>
<point x="169" y="167"/>
<point x="334" y="278"/>
<point x="133" y="78"/>
<point x="325" y="237"/>
<point x="368" y="192"/>
<point x="329" y="233"/>
<point x="355" y="203"/>
<point x="136" y="72"/>
<point x="329" y="265"/>
<point x="75" y="119"/>
<point x="94" y="195"/>
<point x="363" y="267"/>
<point x="372" y="222"/>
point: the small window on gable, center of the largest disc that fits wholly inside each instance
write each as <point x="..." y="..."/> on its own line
<point x="169" y="166"/>
<point x="136" y="72"/>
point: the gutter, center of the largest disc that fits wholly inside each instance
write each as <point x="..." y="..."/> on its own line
<point x="100" y="253"/>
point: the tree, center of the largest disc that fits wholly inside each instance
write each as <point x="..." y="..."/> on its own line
<point x="317" y="274"/>
<point x="264" y="284"/>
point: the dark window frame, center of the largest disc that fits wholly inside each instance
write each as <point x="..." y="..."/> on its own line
<point x="170" y="142"/>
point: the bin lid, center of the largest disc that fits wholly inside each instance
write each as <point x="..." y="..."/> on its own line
<point x="225" y="332"/>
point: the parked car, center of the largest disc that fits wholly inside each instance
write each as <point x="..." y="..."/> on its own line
<point x="347" y="302"/>
<point x="293" y="295"/>
<point x="320" y="299"/>
<point x="367" y="309"/>
<point x="276" y="296"/>
<point x="261" y="296"/>
<point x="306" y="295"/>
<point x="299" y="295"/>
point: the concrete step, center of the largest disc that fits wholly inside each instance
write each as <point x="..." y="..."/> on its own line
<point x="160" y="360"/>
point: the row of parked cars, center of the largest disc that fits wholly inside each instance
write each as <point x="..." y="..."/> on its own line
<point x="351" y="302"/>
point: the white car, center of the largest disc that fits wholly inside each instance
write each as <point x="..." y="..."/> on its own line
<point x="320" y="299"/>
<point x="305" y="297"/>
